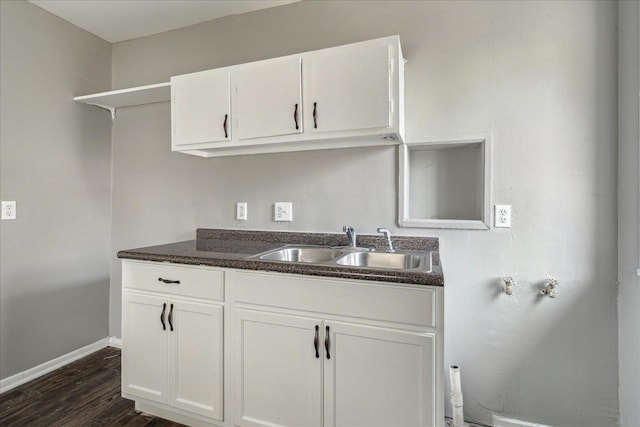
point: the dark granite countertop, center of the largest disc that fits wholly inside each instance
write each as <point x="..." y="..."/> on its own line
<point x="233" y="249"/>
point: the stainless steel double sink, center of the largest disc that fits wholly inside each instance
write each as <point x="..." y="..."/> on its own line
<point x="350" y="257"/>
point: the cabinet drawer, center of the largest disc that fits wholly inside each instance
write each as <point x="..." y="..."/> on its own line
<point x="341" y="297"/>
<point x="194" y="281"/>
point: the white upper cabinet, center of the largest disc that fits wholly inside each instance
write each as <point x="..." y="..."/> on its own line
<point x="201" y="108"/>
<point x="268" y="99"/>
<point x="349" y="88"/>
<point x="340" y="97"/>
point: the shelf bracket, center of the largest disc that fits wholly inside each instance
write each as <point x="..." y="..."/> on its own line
<point x="112" y="110"/>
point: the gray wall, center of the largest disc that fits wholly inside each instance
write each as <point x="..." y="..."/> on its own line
<point x="541" y="76"/>
<point x="55" y="162"/>
<point x="629" y="214"/>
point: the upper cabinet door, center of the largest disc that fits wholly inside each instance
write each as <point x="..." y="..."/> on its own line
<point x="268" y="98"/>
<point x="349" y="88"/>
<point x="201" y="107"/>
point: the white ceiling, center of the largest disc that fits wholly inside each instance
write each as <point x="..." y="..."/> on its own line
<point x="119" y="20"/>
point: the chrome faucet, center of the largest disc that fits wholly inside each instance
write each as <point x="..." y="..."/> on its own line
<point x="387" y="234"/>
<point x="351" y="235"/>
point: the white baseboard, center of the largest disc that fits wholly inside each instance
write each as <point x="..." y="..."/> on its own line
<point x="498" y="421"/>
<point x="46" y="367"/>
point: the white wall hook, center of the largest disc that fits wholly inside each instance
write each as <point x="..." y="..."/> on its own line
<point x="550" y="288"/>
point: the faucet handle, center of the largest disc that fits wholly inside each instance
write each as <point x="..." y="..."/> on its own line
<point x="387" y="234"/>
<point x="347" y="229"/>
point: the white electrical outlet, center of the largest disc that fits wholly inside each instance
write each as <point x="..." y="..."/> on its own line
<point x="502" y="216"/>
<point x="241" y="211"/>
<point x="9" y="210"/>
<point x="283" y="211"/>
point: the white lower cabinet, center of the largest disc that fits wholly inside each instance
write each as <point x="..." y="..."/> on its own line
<point x="145" y="355"/>
<point x="278" y="377"/>
<point x="319" y="368"/>
<point x="299" y="351"/>
<point x="172" y="344"/>
<point x="173" y="353"/>
<point x="378" y="377"/>
<point x="358" y="376"/>
<point x="195" y="359"/>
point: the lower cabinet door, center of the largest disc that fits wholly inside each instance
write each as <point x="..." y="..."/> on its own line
<point x="196" y="357"/>
<point x="144" y="347"/>
<point x="379" y="377"/>
<point x="278" y="372"/>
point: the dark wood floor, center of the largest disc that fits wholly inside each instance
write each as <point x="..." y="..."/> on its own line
<point x="83" y="393"/>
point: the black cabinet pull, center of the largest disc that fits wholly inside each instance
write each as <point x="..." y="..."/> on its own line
<point x="164" y="307"/>
<point x="160" y="279"/>
<point x="295" y="116"/>
<point x="315" y="342"/>
<point x="315" y="121"/>
<point x="224" y="126"/>
<point x="170" y="318"/>
<point x="327" y="343"/>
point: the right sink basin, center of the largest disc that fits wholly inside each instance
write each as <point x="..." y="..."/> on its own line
<point x="388" y="260"/>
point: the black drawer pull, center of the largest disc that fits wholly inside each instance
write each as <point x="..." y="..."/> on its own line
<point x="160" y="279"/>
<point x="164" y="307"/>
<point x="295" y="116"/>
<point x="315" y="342"/>
<point x="224" y="125"/>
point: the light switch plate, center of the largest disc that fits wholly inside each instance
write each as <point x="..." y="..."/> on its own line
<point x="282" y="211"/>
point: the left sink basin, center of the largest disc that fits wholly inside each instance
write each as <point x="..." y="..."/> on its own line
<point x="302" y="254"/>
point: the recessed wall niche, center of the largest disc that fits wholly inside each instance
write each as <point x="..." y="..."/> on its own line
<point x="445" y="183"/>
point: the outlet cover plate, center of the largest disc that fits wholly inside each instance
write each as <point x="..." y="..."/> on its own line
<point x="8" y="209"/>
<point x="282" y="211"/>
<point x="241" y="211"/>
<point x="502" y="216"/>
